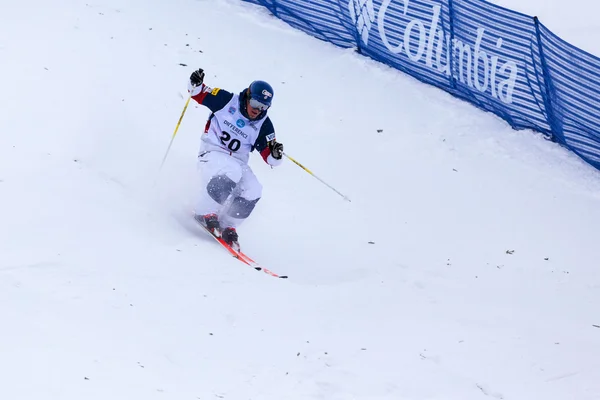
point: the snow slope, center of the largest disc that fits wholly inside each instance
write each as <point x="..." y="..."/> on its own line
<point x="481" y="281"/>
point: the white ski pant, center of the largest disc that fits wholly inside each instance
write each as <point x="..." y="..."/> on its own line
<point x="228" y="188"/>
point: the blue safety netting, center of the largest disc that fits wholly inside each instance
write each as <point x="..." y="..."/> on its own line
<point x="500" y="60"/>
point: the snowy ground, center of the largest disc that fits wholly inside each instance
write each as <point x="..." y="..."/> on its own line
<point x="482" y="280"/>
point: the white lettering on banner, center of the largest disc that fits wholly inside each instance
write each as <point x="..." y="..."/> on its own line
<point x="498" y="78"/>
<point x="358" y="9"/>
<point x="481" y="55"/>
<point x="422" y="39"/>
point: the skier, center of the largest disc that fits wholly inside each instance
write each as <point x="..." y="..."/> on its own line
<point x="237" y="125"/>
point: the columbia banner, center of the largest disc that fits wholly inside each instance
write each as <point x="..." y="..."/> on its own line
<point x="500" y="60"/>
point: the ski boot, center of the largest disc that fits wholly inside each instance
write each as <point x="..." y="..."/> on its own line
<point x="210" y="222"/>
<point x="230" y="236"/>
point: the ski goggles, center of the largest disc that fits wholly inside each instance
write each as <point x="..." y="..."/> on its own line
<point x="257" y="105"/>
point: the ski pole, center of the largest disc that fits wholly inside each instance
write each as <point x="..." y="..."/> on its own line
<point x="176" y="129"/>
<point x="310" y="172"/>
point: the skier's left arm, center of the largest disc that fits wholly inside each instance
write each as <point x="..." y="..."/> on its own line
<point x="266" y="144"/>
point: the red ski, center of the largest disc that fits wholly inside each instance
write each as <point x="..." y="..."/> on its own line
<point x="237" y="253"/>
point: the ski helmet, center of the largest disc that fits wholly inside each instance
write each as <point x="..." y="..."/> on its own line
<point x="260" y="95"/>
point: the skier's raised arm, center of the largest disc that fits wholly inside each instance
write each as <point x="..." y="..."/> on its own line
<point x="214" y="99"/>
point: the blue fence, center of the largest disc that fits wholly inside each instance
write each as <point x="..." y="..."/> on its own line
<point x="500" y="60"/>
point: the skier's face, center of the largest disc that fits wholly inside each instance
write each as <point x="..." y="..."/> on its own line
<point x="252" y="112"/>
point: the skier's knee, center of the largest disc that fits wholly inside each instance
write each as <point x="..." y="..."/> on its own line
<point x="241" y="208"/>
<point x="252" y="191"/>
<point x="220" y="187"/>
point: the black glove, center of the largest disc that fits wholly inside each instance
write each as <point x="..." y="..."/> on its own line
<point x="277" y="150"/>
<point x="197" y="77"/>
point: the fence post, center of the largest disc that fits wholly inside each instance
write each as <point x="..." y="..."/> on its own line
<point x="270" y="5"/>
<point x="451" y="61"/>
<point x="547" y="91"/>
<point x="354" y="29"/>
